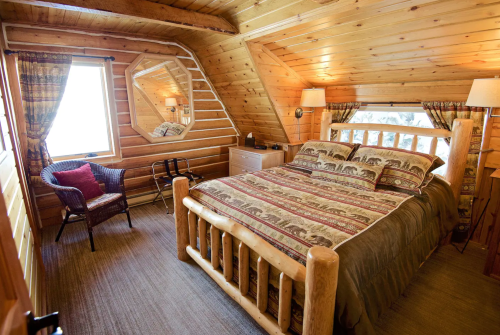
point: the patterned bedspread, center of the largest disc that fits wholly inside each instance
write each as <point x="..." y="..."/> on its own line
<point x="382" y="237"/>
<point x="294" y="212"/>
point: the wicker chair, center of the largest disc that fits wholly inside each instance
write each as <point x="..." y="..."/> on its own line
<point x="93" y="211"/>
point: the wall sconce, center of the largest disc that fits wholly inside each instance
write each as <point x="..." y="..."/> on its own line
<point x="312" y="97"/>
<point x="171" y="102"/>
<point x="485" y="93"/>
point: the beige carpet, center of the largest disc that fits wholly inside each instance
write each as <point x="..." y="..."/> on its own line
<point x="134" y="284"/>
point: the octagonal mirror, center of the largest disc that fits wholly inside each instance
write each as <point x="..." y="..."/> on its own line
<point x="160" y="96"/>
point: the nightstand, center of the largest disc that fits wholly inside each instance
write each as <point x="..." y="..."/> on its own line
<point x="245" y="159"/>
<point x="493" y="258"/>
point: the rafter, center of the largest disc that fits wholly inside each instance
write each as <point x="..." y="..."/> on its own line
<point x="142" y="10"/>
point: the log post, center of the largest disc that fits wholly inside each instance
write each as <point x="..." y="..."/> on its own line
<point x="181" y="190"/>
<point x="322" y="269"/>
<point x="459" y="148"/>
<point x="326" y="121"/>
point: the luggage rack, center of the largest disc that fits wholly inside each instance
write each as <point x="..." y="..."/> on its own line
<point x="169" y="178"/>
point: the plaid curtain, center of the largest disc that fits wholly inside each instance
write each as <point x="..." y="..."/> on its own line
<point x="342" y="113"/>
<point x="442" y="115"/>
<point x="42" y="77"/>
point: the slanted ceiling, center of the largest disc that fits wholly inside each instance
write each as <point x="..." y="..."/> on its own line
<point x="365" y="50"/>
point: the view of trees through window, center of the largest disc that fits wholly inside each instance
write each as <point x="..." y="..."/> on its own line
<point x="413" y="119"/>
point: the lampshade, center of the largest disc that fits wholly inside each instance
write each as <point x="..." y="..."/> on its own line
<point x="170" y="102"/>
<point x="314" y="97"/>
<point x="484" y="93"/>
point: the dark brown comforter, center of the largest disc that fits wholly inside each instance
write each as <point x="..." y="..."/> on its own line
<point x="381" y="237"/>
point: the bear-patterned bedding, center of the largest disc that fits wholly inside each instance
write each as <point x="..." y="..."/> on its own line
<point x="383" y="232"/>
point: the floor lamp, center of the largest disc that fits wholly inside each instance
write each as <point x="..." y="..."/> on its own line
<point x="483" y="93"/>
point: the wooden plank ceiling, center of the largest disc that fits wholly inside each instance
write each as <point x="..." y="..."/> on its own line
<point x="397" y="41"/>
<point x="347" y="43"/>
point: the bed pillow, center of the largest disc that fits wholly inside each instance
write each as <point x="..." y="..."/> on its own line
<point x="404" y="169"/>
<point x="168" y="129"/>
<point x="308" y="155"/>
<point x="82" y="179"/>
<point x="354" y="174"/>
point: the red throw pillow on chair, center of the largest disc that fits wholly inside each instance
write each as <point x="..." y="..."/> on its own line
<point x="82" y="179"/>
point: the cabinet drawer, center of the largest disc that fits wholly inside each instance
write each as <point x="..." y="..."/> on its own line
<point x="244" y="159"/>
<point x="236" y="169"/>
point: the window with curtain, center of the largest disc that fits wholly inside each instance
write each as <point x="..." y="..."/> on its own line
<point x="402" y="116"/>
<point x="82" y="125"/>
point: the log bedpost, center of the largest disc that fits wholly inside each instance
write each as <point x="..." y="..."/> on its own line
<point x="326" y="121"/>
<point x="181" y="190"/>
<point x="322" y="269"/>
<point x="459" y="148"/>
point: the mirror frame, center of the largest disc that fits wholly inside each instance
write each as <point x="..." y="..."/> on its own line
<point x="131" y="98"/>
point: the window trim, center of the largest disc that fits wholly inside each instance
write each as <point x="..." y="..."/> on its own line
<point x="114" y="154"/>
<point x="396" y="109"/>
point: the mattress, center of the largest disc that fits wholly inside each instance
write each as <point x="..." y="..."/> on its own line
<point x="381" y="237"/>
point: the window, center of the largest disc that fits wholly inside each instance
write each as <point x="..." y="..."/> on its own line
<point x="403" y="116"/>
<point x="83" y="124"/>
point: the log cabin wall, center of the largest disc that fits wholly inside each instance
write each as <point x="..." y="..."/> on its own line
<point x="21" y="225"/>
<point x="206" y="145"/>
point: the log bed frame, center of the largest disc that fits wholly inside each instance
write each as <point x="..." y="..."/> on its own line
<point x="320" y="274"/>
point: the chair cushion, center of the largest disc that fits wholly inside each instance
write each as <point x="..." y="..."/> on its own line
<point x="102" y="200"/>
<point x="82" y="179"/>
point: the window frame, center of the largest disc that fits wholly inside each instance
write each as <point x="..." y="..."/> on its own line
<point x="396" y="109"/>
<point x="114" y="153"/>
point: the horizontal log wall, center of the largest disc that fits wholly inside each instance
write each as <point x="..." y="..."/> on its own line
<point x="206" y="145"/>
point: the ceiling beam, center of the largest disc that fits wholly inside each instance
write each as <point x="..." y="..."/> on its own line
<point x="142" y="10"/>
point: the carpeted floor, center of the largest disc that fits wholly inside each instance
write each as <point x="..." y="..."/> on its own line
<point x="134" y="284"/>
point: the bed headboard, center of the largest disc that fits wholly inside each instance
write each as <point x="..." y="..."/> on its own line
<point x="459" y="146"/>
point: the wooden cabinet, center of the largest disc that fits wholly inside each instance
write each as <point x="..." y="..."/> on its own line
<point x="245" y="160"/>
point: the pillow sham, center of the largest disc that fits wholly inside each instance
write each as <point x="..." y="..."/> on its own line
<point x="308" y="155"/>
<point x="354" y="174"/>
<point x="403" y="169"/>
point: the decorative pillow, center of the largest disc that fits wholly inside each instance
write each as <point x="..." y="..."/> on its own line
<point x="348" y="173"/>
<point x="81" y="178"/>
<point x="167" y="129"/>
<point x="403" y="169"/>
<point x="175" y="129"/>
<point x="308" y="155"/>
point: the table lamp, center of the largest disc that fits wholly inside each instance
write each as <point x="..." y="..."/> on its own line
<point x="311" y="97"/>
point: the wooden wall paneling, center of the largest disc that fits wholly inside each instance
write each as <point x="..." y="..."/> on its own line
<point x="206" y="143"/>
<point x="237" y="83"/>
<point x="284" y="88"/>
<point x="19" y="227"/>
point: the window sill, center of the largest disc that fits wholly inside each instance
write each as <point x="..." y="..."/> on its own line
<point x="98" y="160"/>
